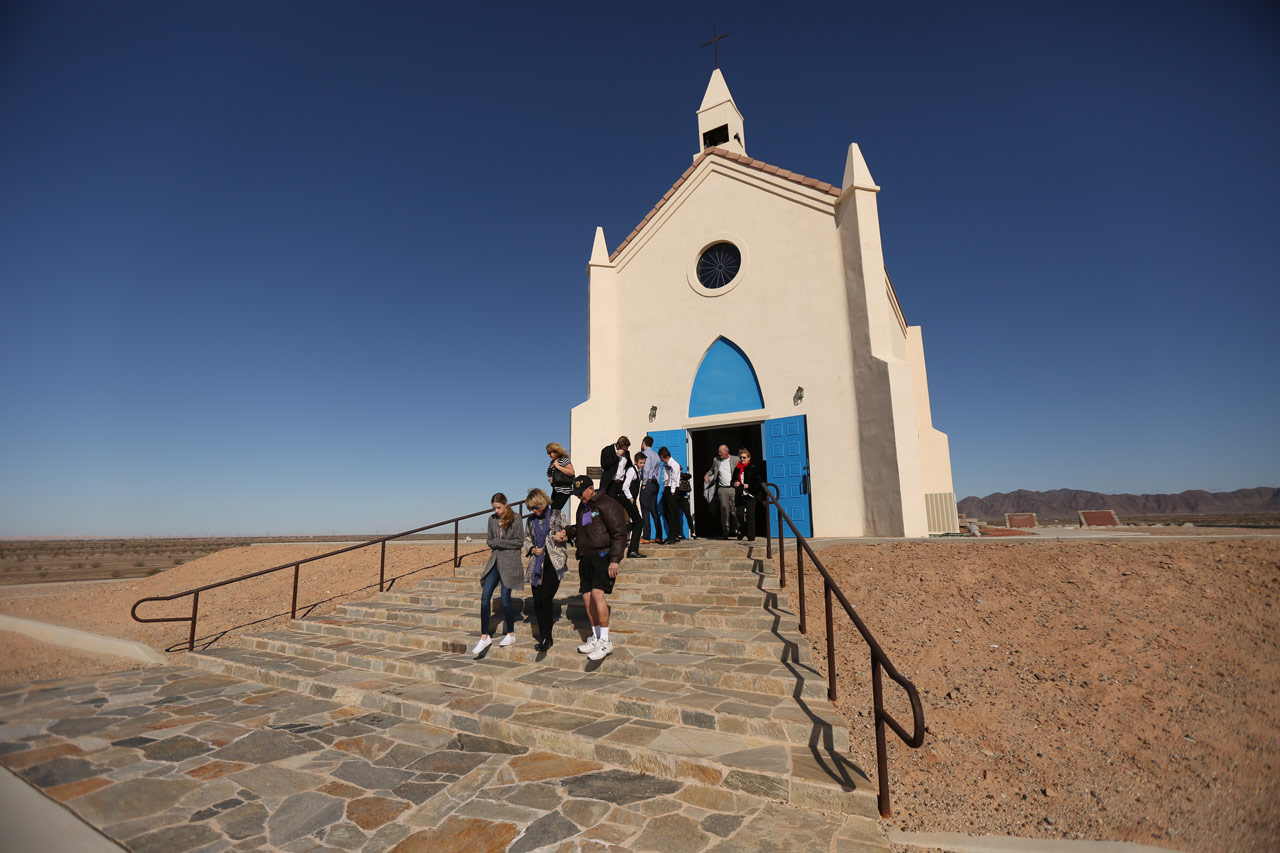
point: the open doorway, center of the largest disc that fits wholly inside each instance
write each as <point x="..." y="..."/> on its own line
<point x="703" y="446"/>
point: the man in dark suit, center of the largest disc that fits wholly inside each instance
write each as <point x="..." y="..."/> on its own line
<point x="614" y="469"/>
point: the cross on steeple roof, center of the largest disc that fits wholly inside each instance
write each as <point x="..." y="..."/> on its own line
<point x="715" y="47"/>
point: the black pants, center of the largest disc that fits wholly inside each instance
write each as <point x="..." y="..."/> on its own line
<point x="544" y="596"/>
<point x="649" y="503"/>
<point x="745" y="506"/>
<point x="558" y="500"/>
<point x="636" y="525"/>
<point x="682" y="504"/>
<point x="677" y="508"/>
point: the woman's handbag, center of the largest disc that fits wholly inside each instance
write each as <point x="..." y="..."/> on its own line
<point x="560" y="478"/>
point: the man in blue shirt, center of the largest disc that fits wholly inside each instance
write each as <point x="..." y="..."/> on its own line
<point x="650" y="489"/>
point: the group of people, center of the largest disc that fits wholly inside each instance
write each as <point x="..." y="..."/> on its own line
<point x="732" y="485"/>
<point x="652" y="477"/>
<point x="608" y="527"/>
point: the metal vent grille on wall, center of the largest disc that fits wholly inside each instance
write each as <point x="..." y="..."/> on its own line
<point x="940" y="508"/>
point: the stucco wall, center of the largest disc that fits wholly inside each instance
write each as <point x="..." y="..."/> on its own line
<point x="787" y="298"/>
<point x="935" y="452"/>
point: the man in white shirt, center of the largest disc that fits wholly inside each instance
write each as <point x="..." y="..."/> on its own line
<point x="627" y="497"/>
<point x="721" y="475"/>
<point x="674" y="503"/>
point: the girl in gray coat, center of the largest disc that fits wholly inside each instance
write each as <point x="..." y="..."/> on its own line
<point x="506" y="536"/>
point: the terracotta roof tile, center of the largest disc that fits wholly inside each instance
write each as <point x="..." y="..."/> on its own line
<point x="759" y="165"/>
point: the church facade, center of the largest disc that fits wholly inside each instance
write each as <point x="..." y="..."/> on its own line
<point x="779" y="331"/>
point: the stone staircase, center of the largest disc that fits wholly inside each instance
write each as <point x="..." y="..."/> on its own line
<point x="710" y="680"/>
<point x="374" y="728"/>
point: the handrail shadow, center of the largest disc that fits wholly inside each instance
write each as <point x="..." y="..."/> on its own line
<point x="822" y="737"/>
<point x="879" y="660"/>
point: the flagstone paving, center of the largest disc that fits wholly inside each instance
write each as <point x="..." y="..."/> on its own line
<point x="356" y="732"/>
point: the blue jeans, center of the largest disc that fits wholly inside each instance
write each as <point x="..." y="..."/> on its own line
<point x="491" y="582"/>
<point x="649" y="503"/>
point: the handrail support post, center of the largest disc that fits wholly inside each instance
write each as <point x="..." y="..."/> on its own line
<point x="382" y="566"/>
<point x="882" y="756"/>
<point x="195" y="609"/>
<point x="782" y="556"/>
<point x="831" y="644"/>
<point x="293" y="607"/>
<point x="804" y="623"/>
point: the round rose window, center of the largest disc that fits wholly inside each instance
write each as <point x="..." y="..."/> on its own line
<point x="719" y="265"/>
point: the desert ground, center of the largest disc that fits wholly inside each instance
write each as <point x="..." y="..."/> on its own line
<point x="62" y="560"/>
<point x="1121" y="690"/>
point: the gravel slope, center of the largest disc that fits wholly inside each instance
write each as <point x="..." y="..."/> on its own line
<point x="1109" y="690"/>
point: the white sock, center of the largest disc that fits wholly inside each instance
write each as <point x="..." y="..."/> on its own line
<point x="595" y="629"/>
<point x="604" y="635"/>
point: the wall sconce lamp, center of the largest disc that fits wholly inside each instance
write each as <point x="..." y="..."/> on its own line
<point x="799" y="396"/>
<point x="653" y="413"/>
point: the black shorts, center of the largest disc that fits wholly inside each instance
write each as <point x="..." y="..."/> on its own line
<point x="593" y="573"/>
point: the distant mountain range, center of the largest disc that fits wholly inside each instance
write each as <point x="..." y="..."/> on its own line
<point x="1064" y="503"/>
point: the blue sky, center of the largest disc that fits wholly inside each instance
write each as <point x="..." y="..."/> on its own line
<point x="306" y="267"/>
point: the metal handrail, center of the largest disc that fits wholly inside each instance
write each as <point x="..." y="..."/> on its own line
<point x="879" y="659"/>
<point x="296" y="565"/>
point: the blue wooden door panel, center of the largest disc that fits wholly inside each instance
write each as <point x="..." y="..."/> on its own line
<point x="675" y="441"/>
<point x="786" y="452"/>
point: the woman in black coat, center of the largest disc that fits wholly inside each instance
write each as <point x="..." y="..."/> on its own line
<point x="748" y="486"/>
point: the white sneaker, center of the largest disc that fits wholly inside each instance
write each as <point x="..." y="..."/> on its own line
<point x="508" y="640"/>
<point x="482" y="645"/>
<point x="589" y="646"/>
<point x="601" y="651"/>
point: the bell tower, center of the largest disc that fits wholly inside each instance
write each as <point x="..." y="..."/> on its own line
<point x="719" y="122"/>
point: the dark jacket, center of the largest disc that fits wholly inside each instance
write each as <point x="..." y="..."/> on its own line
<point x="752" y="481"/>
<point x="607" y="530"/>
<point x="609" y="462"/>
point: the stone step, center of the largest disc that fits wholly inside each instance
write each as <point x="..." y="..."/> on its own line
<point x="817" y="776"/>
<point x="622" y="593"/>
<point x="641" y="612"/>
<point x="767" y="682"/>
<point x="673" y="558"/>
<point x="667" y="557"/>
<point x="753" y="643"/>
<point x="646" y="573"/>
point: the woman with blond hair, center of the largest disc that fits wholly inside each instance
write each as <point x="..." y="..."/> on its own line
<point x="506" y="535"/>
<point x="559" y="475"/>
<point x="548" y="560"/>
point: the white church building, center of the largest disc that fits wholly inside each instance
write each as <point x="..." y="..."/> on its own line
<point x="781" y="332"/>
